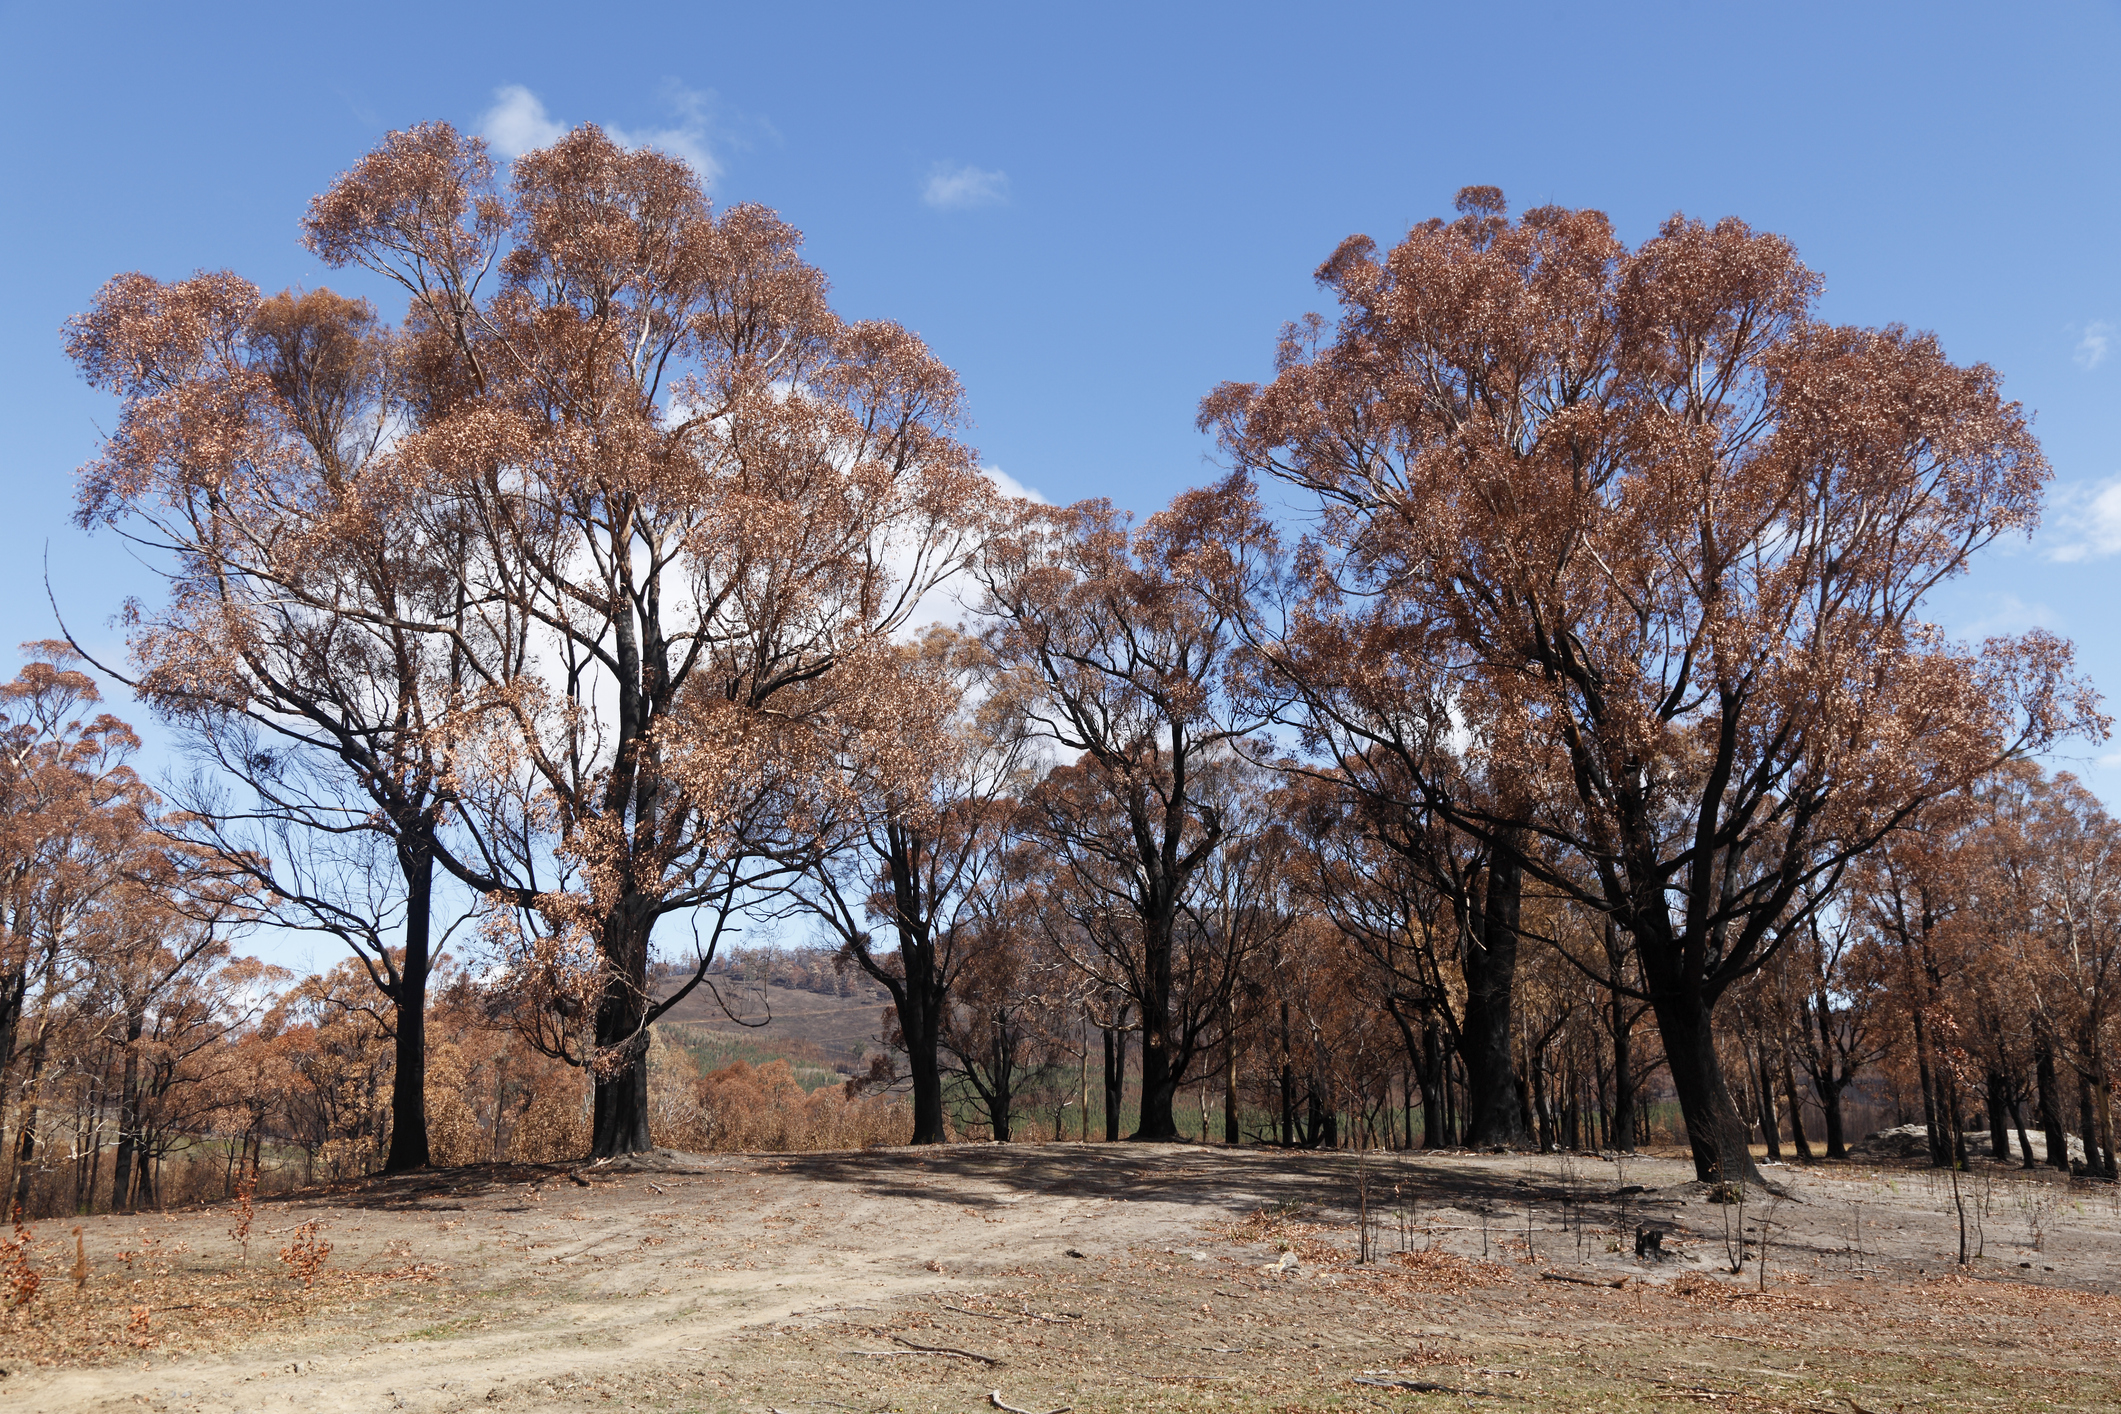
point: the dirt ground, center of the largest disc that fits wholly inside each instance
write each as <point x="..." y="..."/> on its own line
<point x="1102" y="1277"/>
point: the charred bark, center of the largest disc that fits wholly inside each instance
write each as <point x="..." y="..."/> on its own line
<point x="408" y="1085"/>
<point x="1715" y="1132"/>
<point x="1494" y="1110"/>
<point x="1115" y="1075"/>
<point x="121" y="1182"/>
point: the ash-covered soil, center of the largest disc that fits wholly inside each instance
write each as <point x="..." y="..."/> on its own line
<point x="1102" y="1277"/>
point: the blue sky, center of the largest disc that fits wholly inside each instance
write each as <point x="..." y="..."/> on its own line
<point x="1095" y="213"/>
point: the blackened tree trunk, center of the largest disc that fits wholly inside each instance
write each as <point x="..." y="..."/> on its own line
<point x="1288" y="1084"/>
<point x="408" y="1084"/>
<point x="1770" y="1126"/>
<point x="1435" y="1124"/>
<point x="1000" y="1089"/>
<point x="1494" y="1111"/>
<point x="1999" y="1138"/>
<point x="1715" y="1133"/>
<point x="925" y="1073"/>
<point x="2088" y="1126"/>
<point x="2050" y="1100"/>
<point x="121" y="1181"/>
<point x="26" y="1132"/>
<point x="1163" y="1057"/>
<point x="618" y="1112"/>
<point x="1623" y="1075"/>
<point x="1798" y="1139"/>
<point x="915" y="999"/>
<point x="1115" y="1074"/>
<point x="1829" y="1079"/>
<point x="2103" y="1107"/>
<point x="920" y="979"/>
<point x="2025" y="1143"/>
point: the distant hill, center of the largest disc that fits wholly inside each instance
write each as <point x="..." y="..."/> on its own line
<point x="831" y="1033"/>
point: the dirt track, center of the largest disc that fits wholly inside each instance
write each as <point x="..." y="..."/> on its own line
<point x="1097" y="1276"/>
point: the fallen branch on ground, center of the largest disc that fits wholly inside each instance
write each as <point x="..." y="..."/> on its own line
<point x="1614" y="1282"/>
<point x="1429" y="1387"/>
<point x="994" y="1396"/>
<point x="946" y="1350"/>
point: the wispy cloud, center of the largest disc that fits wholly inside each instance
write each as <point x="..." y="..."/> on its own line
<point x="952" y="187"/>
<point x="2083" y="520"/>
<point x="2007" y="613"/>
<point x="1010" y="486"/>
<point x="686" y="137"/>
<point x="518" y="123"/>
<point x="2095" y="345"/>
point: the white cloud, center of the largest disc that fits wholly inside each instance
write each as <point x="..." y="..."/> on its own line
<point x="518" y="123"/>
<point x="2093" y="348"/>
<point x="2083" y="521"/>
<point x="2109" y="761"/>
<point x="951" y="187"/>
<point x="686" y="139"/>
<point x="1010" y="486"/>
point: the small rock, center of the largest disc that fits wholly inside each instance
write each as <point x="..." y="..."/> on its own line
<point x="1071" y="1252"/>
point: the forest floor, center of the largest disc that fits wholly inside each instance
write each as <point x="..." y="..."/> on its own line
<point x="1102" y="1277"/>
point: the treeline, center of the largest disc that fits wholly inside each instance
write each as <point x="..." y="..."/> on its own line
<point x="1584" y="733"/>
<point x="802" y="968"/>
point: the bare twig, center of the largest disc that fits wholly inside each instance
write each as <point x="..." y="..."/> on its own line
<point x="915" y="1348"/>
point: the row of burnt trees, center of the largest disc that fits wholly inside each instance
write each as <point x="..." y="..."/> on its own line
<point x="590" y="589"/>
<point x="1346" y="999"/>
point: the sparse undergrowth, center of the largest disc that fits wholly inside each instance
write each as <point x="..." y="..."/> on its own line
<point x="1102" y="1277"/>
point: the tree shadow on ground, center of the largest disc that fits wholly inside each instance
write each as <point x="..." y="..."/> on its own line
<point x="1322" y="1184"/>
